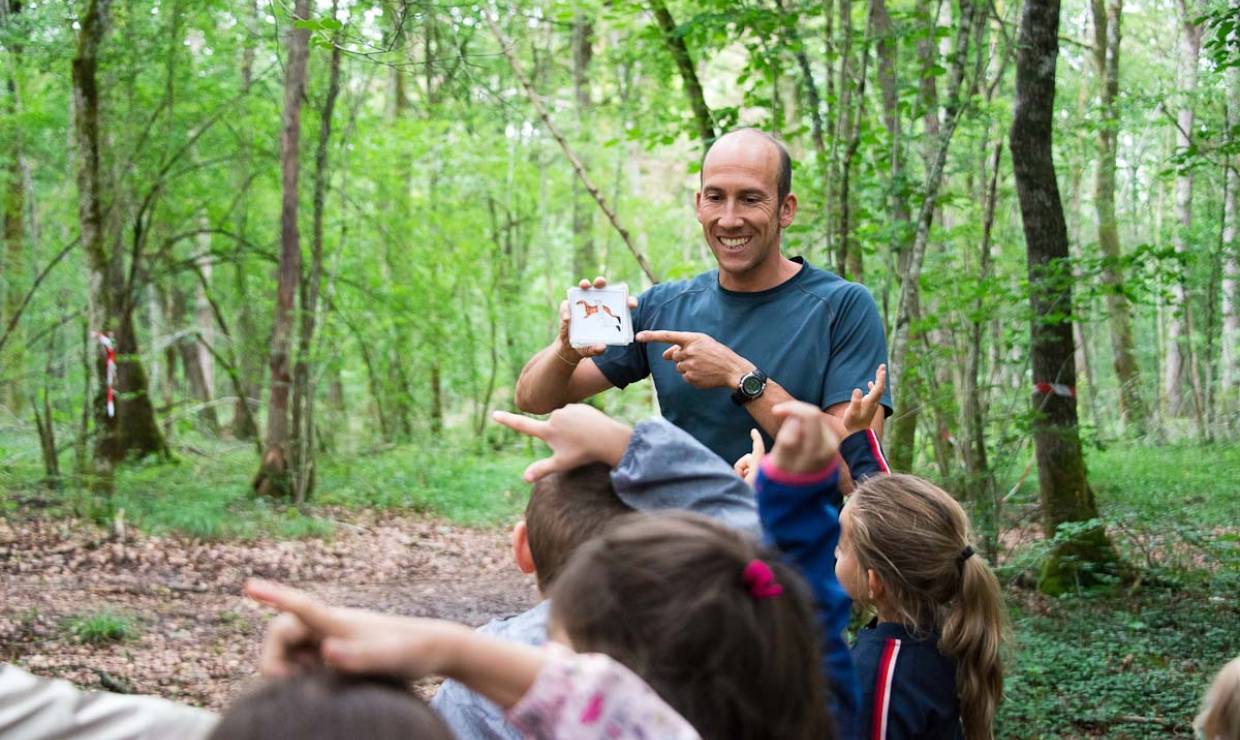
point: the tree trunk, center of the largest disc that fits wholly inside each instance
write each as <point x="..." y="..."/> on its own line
<point x="1229" y="372"/>
<point x="274" y="476"/>
<point x="12" y="213"/>
<point x="1106" y="61"/>
<point x="1178" y="340"/>
<point x="675" y="43"/>
<point x="302" y="443"/>
<point x="585" y="263"/>
<point x="908" y="312"/>
<point x="981" y="482"/>
<point x="129" y="427"/>
<point x="1064" y="489"/>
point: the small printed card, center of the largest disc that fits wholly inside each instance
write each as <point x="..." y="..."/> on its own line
<point x="599" y="316"/>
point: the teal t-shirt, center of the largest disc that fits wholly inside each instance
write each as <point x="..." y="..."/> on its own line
<point x="817" y="335"/>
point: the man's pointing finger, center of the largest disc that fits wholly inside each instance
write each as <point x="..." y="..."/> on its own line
<point x="674" y="337"/>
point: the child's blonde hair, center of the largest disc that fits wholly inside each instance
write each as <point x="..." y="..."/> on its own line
<point x="1220" y="712"/>
<point x="915" y="537"/>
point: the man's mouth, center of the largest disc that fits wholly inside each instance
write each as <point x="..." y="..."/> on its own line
<point x="732" y="242"/>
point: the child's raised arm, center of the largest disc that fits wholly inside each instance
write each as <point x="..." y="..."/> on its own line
<point x="797" y="483"/>
<point x="552" y="692"/>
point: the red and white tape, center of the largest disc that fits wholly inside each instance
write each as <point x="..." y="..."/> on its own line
<point x="1058" y="389"/>
<point x="110" y="349"/>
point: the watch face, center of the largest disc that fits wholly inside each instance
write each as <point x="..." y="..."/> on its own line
<point x="751" y="386"/>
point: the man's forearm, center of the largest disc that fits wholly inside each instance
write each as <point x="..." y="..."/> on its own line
<point x="760" y="407"/>
<point x="543" y="385"/>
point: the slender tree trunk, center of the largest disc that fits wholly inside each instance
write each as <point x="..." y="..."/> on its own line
<point x="274" y="477"/>
<point x="1229" y="371"/>
<point x="1065" y="492"/>
<point x="585" y="263"/>
<point x="981" y="482"/>
<point x="303" y="389"/>
<point x="676" y="46"/>
<point x="1178" y="341"/>
<point x="1107" y="35"/>
<point x="908" y="312"/>
<point x="14" y="207"/>
<point x="249" y="367"/>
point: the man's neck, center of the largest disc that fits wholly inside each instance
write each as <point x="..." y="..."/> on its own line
<point x="762" y="277"/>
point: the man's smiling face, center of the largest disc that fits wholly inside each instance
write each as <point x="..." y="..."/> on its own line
<point x="738" y="205"/>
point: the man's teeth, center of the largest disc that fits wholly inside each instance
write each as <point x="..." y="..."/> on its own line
<point x="727" y="242"/>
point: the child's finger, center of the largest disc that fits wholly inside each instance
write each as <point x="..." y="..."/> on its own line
<point x="541" y="468"/>
<point x="316" y="615"/>
<point x="880" y="380"/>
<point x="759" y="447"/>
<point x="522" y="424"/>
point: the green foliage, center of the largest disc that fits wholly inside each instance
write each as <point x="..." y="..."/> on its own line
<point x="1119" y="665"/>
<point x="101" y="628"/>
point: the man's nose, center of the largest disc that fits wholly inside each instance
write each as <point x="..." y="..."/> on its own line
<point x="730" y="219"/>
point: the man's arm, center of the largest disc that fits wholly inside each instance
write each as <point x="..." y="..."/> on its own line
<point x="555" y="377"/>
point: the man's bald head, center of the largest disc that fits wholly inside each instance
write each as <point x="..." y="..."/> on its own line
<point x="747" y="139"/>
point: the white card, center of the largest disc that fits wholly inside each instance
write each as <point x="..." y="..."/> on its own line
<point x="599" y="316"/>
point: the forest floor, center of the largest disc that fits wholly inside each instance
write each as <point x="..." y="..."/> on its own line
<point x="186" y="632"/>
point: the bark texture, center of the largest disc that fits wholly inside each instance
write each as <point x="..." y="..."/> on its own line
<point x="132" y="429"/>
<point x="1064" y="488"/>
<point x="1107" y="34"/>
<point x="273" y="477"/>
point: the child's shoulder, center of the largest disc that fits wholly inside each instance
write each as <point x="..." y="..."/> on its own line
<point x="907" y="685"/>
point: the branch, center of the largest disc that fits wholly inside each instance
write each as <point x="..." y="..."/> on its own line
<point x="506" y="46"/>
<point x="8" y="330"/>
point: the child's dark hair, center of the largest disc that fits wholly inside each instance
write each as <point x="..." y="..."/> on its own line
<point x="916" y="538"/>
<point x="564" y="511"/>
<point x="668" y="596"/>
<point x="325" y="705"/>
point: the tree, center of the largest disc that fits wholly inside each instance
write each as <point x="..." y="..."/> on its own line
<point x="1063" y="486"/>
<point x="125" y="422"/>
<point x="1107" y="36"/>
<point x="274" y="476"/>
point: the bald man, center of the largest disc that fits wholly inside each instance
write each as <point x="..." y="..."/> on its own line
<point x="728" y="345"/>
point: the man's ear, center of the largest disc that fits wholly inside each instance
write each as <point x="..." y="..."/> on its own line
<point x="787" y="210"/>
<point x="521" y="554"/>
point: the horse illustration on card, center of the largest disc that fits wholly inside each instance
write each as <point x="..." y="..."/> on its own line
<point x="599" y="316"/>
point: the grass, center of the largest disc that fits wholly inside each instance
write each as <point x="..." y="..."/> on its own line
<point x="205" y="492"/>
<point x="101" y="628"/>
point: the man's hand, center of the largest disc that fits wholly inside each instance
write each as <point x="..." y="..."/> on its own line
<point x="566" y="351"/>
<point x="702" y="361"/>
<point x="577" y="434"/>
<point x="805" y="443"/>
<point x="747" y="466"/>
<point x="352" y="640"/>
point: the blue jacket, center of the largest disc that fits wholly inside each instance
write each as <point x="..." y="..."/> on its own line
<point x="800" y="516"/>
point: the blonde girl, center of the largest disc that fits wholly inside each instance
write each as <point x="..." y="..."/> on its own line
<point x="929" y="664"/>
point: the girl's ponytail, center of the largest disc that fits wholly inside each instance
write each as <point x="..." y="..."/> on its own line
<point x="972" y="633"/>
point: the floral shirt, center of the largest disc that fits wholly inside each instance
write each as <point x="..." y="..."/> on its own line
<point x="589" y="697"/>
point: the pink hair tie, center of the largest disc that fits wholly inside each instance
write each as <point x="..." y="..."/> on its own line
<point x="760" y="580"/>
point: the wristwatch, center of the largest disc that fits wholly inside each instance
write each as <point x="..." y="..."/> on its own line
<point x="751" y="386"/>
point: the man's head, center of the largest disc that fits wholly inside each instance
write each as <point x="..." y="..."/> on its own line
<point x="565" y="511"/>
<point x="745" y="199"/>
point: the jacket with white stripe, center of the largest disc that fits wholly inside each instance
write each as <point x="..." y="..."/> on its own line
<point x="908" y="688"/>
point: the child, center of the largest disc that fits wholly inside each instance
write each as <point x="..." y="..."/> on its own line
<point x="601" y="470"/>
<point x="548" y="693"/>
<point x="930" y="661"/>
<point x="1220" y="712"/>
<point x="326" y="705"/>
<point x="719" y="628"/>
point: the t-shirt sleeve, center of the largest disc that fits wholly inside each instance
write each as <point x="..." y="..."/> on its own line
<point x="624" y="364"/>
<point x="858" y="347"/>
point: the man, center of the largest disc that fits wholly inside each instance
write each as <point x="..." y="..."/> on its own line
<point x="730" y="344"/>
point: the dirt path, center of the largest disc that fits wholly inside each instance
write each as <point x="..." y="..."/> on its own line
<point x="196" y="638"/>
